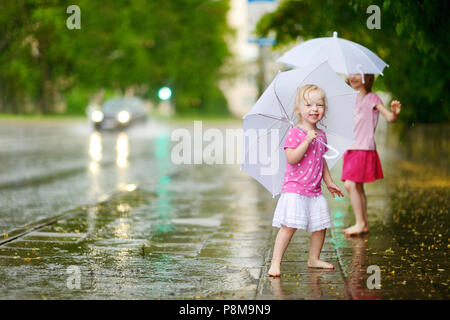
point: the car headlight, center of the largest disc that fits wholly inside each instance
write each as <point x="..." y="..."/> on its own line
<point x="97" y="116"/>
<point x="123" y="116"/>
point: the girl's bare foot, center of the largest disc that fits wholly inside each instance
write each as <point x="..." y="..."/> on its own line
<point x="320" y="264"/>
<point x="356" y="229"/>
<point x="274" y="271"/>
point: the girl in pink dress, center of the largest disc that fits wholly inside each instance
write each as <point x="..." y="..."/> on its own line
<point x="302" y="204"/>
<point x="361" y="161"/>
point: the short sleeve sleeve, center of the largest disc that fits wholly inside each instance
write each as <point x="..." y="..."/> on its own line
<point x="374" y="99"/>
<point x="292" y="139"/>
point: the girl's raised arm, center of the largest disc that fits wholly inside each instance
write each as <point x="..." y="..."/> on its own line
<point x="390" y="116"/>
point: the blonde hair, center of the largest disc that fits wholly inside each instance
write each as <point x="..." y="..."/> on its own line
<point x="303" y="95"/>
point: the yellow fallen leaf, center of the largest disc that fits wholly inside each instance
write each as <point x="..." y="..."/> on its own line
<point x="27" y="259"/>
<point x="5" y="236"/>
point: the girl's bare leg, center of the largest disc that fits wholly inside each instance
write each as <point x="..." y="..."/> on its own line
<point x="317" y="239"/>
<point x="281" y="242"/>
<point x="364" y="203"/>
<point x="358" y="200"/>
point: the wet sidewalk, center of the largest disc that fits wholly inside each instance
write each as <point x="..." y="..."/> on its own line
<point x="194" y="238"/>
<point x="200" y="243"/>
<point x="408" y="239"/>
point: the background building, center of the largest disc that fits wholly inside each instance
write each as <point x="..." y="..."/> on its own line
<point x="253" y="60"/>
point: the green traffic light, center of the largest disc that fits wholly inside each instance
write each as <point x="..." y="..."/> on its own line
<point x="164" y="93"/>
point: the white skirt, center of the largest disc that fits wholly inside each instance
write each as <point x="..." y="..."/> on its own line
<point x="302" y="212"/>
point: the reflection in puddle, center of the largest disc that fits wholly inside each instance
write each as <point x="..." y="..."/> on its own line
<point x="357" y="275"/>
<point x="95" y="152"/>
<point x="122" y="229"/>
<point x="164" y="205"/>
<point x="122" y="149"/>
<point x="354" y="263"/>
<point x="315" y="282"/>
<point x="94" y="167"/>
<point x="95" y="146"/>
<point x="314" y="286"/>
<point x="123" y="207"/>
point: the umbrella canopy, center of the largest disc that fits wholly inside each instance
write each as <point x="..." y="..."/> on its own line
<point x="267" y="123"/>
<point x="344" y="56"/>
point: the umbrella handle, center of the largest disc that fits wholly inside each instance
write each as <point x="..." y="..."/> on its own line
<point x="332" y="149"/>
<point x="359" y="68"/>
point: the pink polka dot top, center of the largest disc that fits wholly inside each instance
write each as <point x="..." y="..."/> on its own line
<point x="305" y="176"/>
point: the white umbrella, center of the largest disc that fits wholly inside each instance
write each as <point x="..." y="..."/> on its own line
<point x="344" y="56"/>
<point x="267" y="123"/>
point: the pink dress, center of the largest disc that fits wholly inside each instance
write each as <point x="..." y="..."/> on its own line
<point x="302" y="204"/>
<point x="361" y="161"/>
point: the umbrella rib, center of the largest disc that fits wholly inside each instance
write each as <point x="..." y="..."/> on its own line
<point x="261" y="135"/>
<point x="273" y="117"/>
<point x="279" y="145"/>
<point x="282" y="139"/>
<point x="344" y="94"/>
<point x="276" y="95"/>
<point x="265" y="133"/>
<point x="336" y="42"/>
<point x="381" y="72"/>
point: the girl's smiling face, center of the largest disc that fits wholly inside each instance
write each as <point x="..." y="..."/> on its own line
<point x="312" y="108"/>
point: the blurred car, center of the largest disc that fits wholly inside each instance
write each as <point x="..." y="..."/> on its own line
<point x="117" y="113"/>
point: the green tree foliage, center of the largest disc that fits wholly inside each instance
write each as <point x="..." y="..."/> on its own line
<point x="177" y="43"/>
<point x="413" y="40"/>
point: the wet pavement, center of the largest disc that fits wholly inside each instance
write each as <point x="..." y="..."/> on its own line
<point x="408" y="239"/>
<point x="114" y="210"/>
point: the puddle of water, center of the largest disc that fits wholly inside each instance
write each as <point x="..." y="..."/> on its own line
<point x="123" y="250"/>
